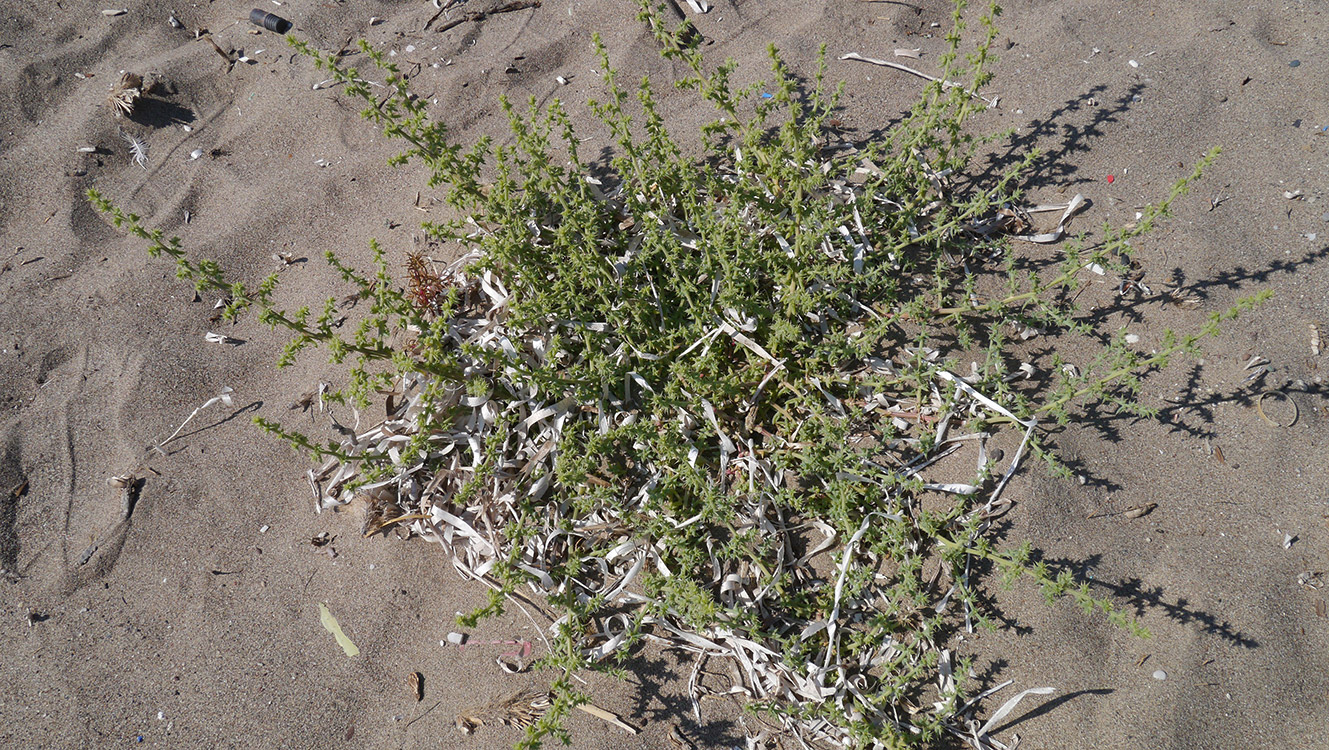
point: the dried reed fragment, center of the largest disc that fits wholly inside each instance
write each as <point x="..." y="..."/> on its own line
<point x="124" y="93"/>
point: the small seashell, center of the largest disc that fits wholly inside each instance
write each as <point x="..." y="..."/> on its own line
<point x="87" y="149"/>
<point x="196" y="153"/>
<point x="115" y="11"/>
<point x="1160" y="675"/>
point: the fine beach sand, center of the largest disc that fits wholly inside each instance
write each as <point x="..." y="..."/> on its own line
<point x="196" y="622"/>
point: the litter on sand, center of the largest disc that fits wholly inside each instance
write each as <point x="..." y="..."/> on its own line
<point x="1259" y="408"/>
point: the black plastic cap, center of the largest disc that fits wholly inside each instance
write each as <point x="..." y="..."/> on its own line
<point x="269" y="21"/>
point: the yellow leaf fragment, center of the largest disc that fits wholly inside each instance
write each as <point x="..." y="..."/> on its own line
<point x="330" y="625"/>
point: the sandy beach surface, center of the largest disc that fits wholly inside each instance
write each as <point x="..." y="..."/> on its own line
<point x="195" y="622"/>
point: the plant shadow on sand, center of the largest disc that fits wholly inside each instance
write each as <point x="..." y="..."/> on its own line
<point x="661" y="696"/>
<point x="1061" y="138"/>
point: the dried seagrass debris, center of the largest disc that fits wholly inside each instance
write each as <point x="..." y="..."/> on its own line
<point x="525" y="707"/>
<point x="521" y="709"/>
<point x="125" y="92"/>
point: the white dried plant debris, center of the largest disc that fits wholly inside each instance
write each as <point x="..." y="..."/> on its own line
<point x="1315" y="340"/>
<point x="125" y="93"/>
<point x="138" y="149"/>
<point x="222" y="398"/>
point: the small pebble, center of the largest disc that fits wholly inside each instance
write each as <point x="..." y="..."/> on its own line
<point x="1294" y="64"/>
<point x="1325" y="217"/>
<point x="1160" y="675"/>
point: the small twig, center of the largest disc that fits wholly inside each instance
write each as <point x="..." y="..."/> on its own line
<point x="443" y="9"/>
<point x="920" y="74"/>
<point x="224" y="55"/>
<point x="481" y="15"/>
<point x="426" y="713"/>
<point x="607" y="716"/>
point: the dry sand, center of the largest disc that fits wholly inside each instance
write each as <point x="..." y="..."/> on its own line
<point x="195" y="623"/>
